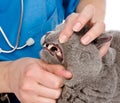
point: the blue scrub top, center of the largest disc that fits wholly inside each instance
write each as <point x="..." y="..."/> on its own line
<point x="40" y="16"/>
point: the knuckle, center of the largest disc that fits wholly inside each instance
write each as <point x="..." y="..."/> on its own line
<point x="59" y="67"/>
<point x="68" y="19"/>
<point x="58" y="83"/>
<point x="66" y="34"/>
<point x="29" y="71"/>
<point x="73" y="15"/>
<point x="58" y="93"/>
<point x="25" y="86"/>
<point x="82" y="20"/>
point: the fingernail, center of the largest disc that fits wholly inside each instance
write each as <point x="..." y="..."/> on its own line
<point x="77" y="27"/>
<point x="85" y="40"/>
<point x="63" y="39"/>
<point x="68" y="74"/>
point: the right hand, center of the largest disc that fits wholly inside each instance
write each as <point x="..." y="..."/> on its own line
<point x="34" y="81"/>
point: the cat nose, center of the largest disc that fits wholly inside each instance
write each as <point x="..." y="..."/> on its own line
<point x="42" y="40"/>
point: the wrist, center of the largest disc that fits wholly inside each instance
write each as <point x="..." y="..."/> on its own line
<point x="99" y="9"/>
<point x="4" y="77"/>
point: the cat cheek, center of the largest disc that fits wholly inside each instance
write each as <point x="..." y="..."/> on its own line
<point x="84" y="57"/>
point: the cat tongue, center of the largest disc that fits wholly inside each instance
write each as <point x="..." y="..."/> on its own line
<point x="59" y="54"/>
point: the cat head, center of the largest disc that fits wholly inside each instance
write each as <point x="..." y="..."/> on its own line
<point x="83" y="61"/>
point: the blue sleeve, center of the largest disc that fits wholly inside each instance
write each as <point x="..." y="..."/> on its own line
<point x="70" y="6"/>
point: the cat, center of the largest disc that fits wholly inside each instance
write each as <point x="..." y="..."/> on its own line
<point x="95" y="79"/>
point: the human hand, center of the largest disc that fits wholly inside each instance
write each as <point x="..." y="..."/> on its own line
<point x="34" y="81"/>
<point x="76" y="21"/>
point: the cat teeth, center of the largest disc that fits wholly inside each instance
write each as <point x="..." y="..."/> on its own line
<point x="50" y="46"/>
<point x="44" y="45"/>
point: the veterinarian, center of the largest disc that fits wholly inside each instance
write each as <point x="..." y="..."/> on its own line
<point x="22" y="24"/>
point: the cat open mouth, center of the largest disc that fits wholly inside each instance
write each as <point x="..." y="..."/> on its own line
<point x="54" y="50"/>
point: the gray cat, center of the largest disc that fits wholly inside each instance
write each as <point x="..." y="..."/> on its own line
<point x="95" y="79"/>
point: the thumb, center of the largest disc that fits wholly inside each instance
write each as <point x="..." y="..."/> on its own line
<point x="57" y="69"/>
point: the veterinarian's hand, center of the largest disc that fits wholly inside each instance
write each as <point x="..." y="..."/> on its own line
<point x="34" y="81"/>
<point x="76" y="21"/>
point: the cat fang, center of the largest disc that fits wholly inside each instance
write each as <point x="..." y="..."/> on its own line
<point x="54" y="49"/>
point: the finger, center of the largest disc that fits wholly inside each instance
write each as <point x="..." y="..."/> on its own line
<point x="60" y="71"/>
<point x="44" y="100"/>
<point x="103" y="50"/>
<point x="42" y="76"/>
<point x="31" y="98"/>
<point x="93" y="33"/>
<point x="32" y="87"/>
<point x="85" y="16"/>
<point x="57" y="69"/>
<point x="67" y="31"/>
<point x="48" y="93"/>
<point x="50" y="80"/>
<point x="78" y="21"/>
<point x="43" y="91"/>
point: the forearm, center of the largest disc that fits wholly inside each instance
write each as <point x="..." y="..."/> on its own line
<point x="4" y="87"/>
<point x="100" y="6"/>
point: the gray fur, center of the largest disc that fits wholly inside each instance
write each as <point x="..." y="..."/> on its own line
<point x="95" y="79"/>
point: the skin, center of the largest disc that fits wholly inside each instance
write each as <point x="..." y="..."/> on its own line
<point x="90" y="12"/>
<point x="34" y="81"/>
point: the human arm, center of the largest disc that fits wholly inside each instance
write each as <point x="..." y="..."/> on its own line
<point x="32" y="80"/>
<point x="92" y="11"/>
<point x="4" y="77"/>
<point x="99" y="5"/>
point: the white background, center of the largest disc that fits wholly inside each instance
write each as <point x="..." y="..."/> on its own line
<point x="112" y="18"/>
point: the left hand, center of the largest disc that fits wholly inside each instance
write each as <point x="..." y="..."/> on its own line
<point x="76" y="21"/>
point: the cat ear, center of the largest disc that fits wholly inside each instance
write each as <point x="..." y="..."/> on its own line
<point x="99" y="42"/>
